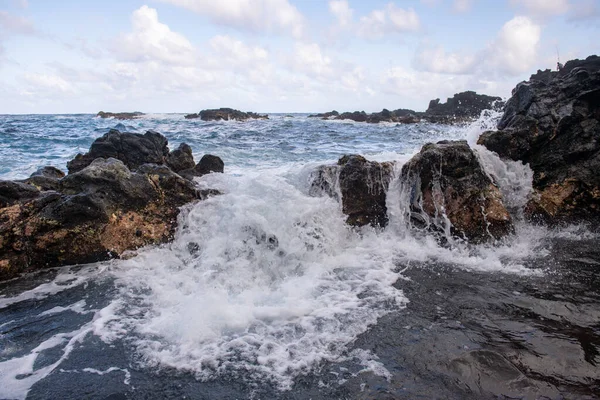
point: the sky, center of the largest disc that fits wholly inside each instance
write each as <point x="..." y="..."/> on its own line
<point x="160" y="56"/>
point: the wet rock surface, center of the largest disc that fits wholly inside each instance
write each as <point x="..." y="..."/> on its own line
<point x="360" y="185"/>
<point x="464" y="105"/>
<point x="450" y="193"/>
<point x="101" y="209"/>
<point x="552" y="123"/>
<point x="225" y="114"/>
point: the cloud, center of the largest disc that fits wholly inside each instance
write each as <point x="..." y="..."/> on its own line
<point x="12" y="24"/>
<point x="514" y="50"/>
<point x="391" y="19"/>
<point x="462" y="6"/>
<point x="542" y="8"/>
<point x="435" y="59"/>
<point x="46" y="84"/>
<point x="151" y="40"/>
<point x="342" y="12"/>
<point x="584" y="11"/>
<point x="309" y="59"/>
<point x="270" y="16"/>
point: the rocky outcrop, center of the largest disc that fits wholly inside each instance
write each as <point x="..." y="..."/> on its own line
<point x="134" y="149"/>
<point x="360" y="185"/>
<point x="449" y="192"/>
<point x="225" y="114"/>
<point x="181" y="158"/>
<point x="121" y="115"/>
<point x="357" y="116"/>
<point x="327" y="115"/>
<point x="94" y="213"/>
<point x="552" y="123"/>
<point x="207" y="164"/>
<point x="460" y="107"/>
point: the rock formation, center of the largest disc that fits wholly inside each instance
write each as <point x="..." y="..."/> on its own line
<point x="126" y="197"/>
<point x="449" y="192"/>
<point x="121" y="115"/>
<point x="552" y="123"/>
<point x="225" y="114"/>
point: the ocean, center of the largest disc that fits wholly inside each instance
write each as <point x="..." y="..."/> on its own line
<point x="321" y="310"/>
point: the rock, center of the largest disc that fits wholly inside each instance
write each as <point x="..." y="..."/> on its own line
<point x="97" y="213"/>
<point x="225" y="114"/>
<point x="326" y="115"/>
<point x="357" y="116"/>
<point x="181" y="158"/>
<point x="449" y="192"/>
<point x="461" y="107"/>
<point x="133" y="149"/>
<point x="49" y="172"/>
<point x="121" y="115"/>
<point x="553" y="124"/>
<point x="12" y="192"/>
<point x="362" y="185"/>
<point x="207" y="164"/>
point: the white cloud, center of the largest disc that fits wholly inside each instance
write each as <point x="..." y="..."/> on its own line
<point x="39" y="84"/>
<point x="514" y="50"/>
<point x="342" y="12"/>
<point x="151" y="40"/>
<point x="12" y="24"/>
<point x="585" y="11"/>
<point x="543" y="7"/>
<point x="462" y="6"/>
<point x="435" y="59"/>
<point x="277" y="16"/>
<point x="309" y="59"/>
<point x="388" y="20"/>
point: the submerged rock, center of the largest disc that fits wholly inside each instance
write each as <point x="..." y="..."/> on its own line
<point x="225" y="114"/>
<point x="362" y="186"/>
<point x="134" y="149"/>
<point x="121" y="115"/>
<point x="552" y="123"/>
<point x="450" y="192"/>
<point x="96" y="212"/>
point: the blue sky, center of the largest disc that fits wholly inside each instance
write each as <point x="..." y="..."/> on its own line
<point x="68" y="56"/>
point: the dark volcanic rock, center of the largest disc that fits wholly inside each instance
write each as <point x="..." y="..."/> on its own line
<point x="553" y="124"/>
<point x="357" y="116"/>
<point x="465" y="105"/>
<point x="100" y="210"/>
<point x="207" y="164"/>
<point x="49" y="172"/>
<point x="326" y="115"/>
<point x="181" y="158"/>
<point x="225" y="114"/>
<point x="446" y="183"/>
<point x="121" y="115"/>
<point x="134" y="149"/>
<point x="362" y="185"/>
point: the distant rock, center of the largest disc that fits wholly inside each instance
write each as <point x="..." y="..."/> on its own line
<point x="326" y="115"/>
<point x="100" y="210"/>
<point x="461" y="106"/>
<point x="552" y="123"/>
<point x="362" y="185"/>
<point x="357" y="116"/>
<point x="120" y="115"/>
<point x="134" y="149"/>
<point x="449" y="192"/>
<point x="225" y="114"/>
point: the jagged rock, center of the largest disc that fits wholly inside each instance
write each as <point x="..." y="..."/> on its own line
<point x="134" y="149"/>
<point x="121" y="115"/>
<point x="553" y="125"/>
<point x="362" y="185"/>
<point x="449" y="192"/>
<point x="49" y="172"/>
<point x="357" y="116"/>
<point x="45" y="178"/>
<point x="97" y="213"/>
<point x="464" y="105"/>
<point x="207" y="164"/>
<point x="12" y="192"/>
<point x="181" y="158"/>
<point x="225" y="114"/>
<point x="326" y="115"/>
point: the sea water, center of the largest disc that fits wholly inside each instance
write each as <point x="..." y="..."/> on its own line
<point x="262" y="285"/>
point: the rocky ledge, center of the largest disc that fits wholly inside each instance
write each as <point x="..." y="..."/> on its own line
<point x="124" y="193"/>
<point x="121" y="115"/>
<point x="461" y="108"/>
<point x="552" y="123"/>
<point x="225" y="114"/>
